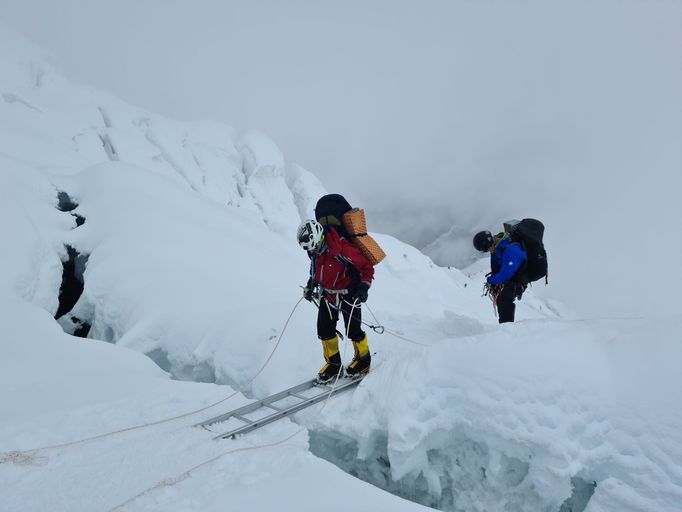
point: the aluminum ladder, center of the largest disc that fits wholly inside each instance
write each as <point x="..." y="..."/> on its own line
<point x="284" y="403"/>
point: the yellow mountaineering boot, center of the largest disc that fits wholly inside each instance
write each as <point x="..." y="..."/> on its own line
<point x="332" y="367"/>
<point x="362" y="359"/>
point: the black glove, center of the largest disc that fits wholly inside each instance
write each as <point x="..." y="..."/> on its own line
<point x="361" y="292"/>
<point x="308" y="290"/>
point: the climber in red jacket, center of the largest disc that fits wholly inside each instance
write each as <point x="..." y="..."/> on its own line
<point x="343" y="275"/>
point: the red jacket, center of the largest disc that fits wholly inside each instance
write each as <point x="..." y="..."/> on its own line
<point x="331" y="268"/>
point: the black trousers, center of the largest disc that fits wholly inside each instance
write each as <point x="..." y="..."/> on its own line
<point x="328" y="316"/>
<point x="505" y="302"/>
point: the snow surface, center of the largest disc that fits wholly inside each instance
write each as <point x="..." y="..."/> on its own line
<point x="191" y="259"/>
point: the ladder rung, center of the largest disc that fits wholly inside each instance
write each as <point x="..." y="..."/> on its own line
<point x="305" y="402"/>
<point x="259" y="403"/>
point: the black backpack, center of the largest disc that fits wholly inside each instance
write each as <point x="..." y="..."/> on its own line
<point x="329" y="211"/>
<point x="529" y="232"/>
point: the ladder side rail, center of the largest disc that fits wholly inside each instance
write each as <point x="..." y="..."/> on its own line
<point x="258" y="404"/>
<point x="290" y="410"/>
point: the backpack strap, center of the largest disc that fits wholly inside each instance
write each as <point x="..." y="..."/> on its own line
<point x="329" y="220"/>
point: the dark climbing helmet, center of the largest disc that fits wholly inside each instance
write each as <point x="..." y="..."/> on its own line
<point x="483" y="241"/>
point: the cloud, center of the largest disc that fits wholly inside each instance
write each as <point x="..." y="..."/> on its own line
<point x="436" y="117"/>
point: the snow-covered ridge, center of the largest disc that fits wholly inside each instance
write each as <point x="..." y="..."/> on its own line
<point x="78" y="126"/>
<point x="140" y="184"/>
<point x="188" y="233"/>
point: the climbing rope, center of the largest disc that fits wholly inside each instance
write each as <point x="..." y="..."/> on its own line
<point x="167" y="482"/>
<point x="11" y="455"/>
<point x="396" y="334"/>
<point x="492" y="291"/>
<point x="379" y="328"/>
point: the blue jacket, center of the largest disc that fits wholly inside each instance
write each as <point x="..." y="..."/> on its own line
<point x="505" y="261"/>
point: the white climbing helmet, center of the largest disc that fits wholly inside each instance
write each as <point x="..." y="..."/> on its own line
<point x="310" y="235"/>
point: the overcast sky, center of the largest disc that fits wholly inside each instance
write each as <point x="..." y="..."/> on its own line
<point x="462" y="113"/>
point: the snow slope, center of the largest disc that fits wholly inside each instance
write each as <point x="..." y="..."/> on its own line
<point x="188" y="233"/>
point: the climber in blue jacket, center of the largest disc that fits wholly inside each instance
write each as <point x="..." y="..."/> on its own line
<point x="506" y="258"/>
